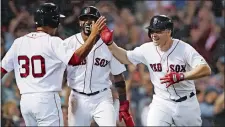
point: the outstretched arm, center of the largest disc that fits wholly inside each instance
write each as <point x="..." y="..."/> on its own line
<point x="200" y="68"/>
<point x="198" y="72"/>
<point x="81" y="53"/>
<point x="118" y="52"/>
<point x="175" y="77"/>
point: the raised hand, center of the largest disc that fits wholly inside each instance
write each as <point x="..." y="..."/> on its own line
<point x="97" y="26"/>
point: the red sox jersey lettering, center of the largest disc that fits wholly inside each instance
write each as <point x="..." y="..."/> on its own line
<point x="93" y="74"/>
<point x="157" y="67"/>
<point x="181" y="57"/>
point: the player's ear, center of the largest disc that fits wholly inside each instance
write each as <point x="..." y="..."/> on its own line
<point x="169" y="32"/>
<point x="81" y="23"/>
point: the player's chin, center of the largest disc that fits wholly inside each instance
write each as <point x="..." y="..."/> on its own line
<point x="87" y="32"/>
<point x="156" y="43"/>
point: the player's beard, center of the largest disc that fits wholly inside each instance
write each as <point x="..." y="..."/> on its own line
<point x="86" y="27"/>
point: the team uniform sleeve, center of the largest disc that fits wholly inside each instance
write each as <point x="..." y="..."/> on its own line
<point x="116" y="66"/>
<point x="63" y="50"/>
<point x="7" y="63"/>
<point x="193" y="58"/>
<point x="135" y="56"/>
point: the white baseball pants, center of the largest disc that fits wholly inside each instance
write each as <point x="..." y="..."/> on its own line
<point x="167" y="113"/>
<point x="41" y="109"/>
<point x="82" y="109"/>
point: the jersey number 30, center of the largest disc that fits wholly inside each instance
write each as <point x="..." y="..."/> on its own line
<point x="26" y="66"/>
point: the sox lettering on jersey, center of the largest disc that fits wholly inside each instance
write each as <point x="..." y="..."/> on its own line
<point x="157" y="67"/>
<point x="98" y="62"/>
<point x="177" y="68"/>
<point x="101" y="62"/>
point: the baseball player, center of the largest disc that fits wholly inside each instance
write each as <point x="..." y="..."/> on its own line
<point x="39" y="60"/>
<point x="91" y="97"/>
<point x="173" y="65"/>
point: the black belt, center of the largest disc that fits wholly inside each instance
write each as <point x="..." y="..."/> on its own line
<point x="90" y="94"/>
<point x="184" y="97"/>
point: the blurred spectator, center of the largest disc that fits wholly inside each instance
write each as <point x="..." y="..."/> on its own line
<point x="205" y="35"/>
<point x="218" y="79"/>
<point x="2" y="47"/>
<point x="9" y="89"/>
<point x="12" y="114"/>
<point x="18" y="27"/>
<point x="207" y="106"/>
<point x="220" y="111"/>
<point x="135" y="33"/>
<point x="70" y="23"/>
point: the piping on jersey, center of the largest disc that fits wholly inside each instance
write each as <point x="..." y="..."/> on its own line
<point x="168" y="67"/>
<point x="57" y="108"/>
<point x="85" y="65"/>
<point x="161" y="63"/>
<point x="93" y="65"/>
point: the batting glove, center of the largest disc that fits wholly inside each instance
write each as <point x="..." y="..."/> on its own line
<point x="172" y="78"/>
<point x="107" y="35"/>
<point x="125" y="115"/>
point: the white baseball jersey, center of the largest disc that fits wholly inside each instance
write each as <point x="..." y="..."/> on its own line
<point x="181" y="57"/>
<point x="39" y="61"/>
<point x="93" y="73"/>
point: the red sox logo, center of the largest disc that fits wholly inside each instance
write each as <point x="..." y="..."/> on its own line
<point x="87" y="10"/>
<point x="98" y="62"/>
<point x="157" y="67"/>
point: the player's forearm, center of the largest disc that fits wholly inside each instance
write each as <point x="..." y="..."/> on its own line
<point x="120" y="86"/>
<point x="119" y="53"/>
<point x="81" y="53"/>
<point x="68" y="90"/>
<point x="198" y="72"/>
